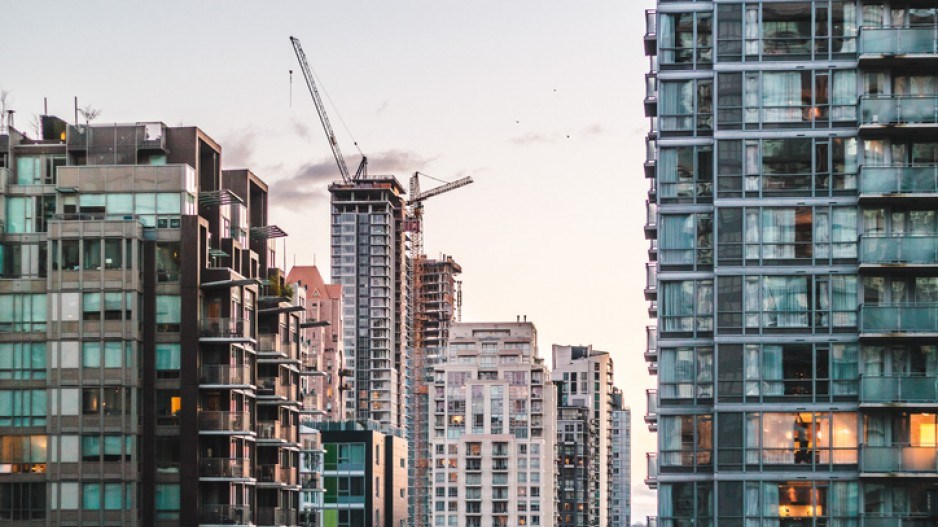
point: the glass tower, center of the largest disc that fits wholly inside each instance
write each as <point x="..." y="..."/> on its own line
<point x="793" y="155"/>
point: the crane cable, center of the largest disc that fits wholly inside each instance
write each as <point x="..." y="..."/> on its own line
<point x="335" y="110"/>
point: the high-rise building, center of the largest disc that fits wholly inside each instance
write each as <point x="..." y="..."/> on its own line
<point x="584" y="380"/>
<point x="620" y="502"/>
<point x="793" y="161"/>
<point x="492" y="433"/>
<point x="150" y="344"/>
<point x="369" y="261"/>
<point x="437" y="302"/>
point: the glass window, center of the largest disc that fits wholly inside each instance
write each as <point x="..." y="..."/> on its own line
<point x="118" y="204"/>
<point x="167" y="501"/>
<point x="167" y="356"/>
<point x="168" y="261"/>
<point x="167" y="203"/>
<point x="91" y="354"/>
<point x="22" y="312"/>
<point x="70" y="254"/>
<point x="19" y="215"/>
<point x="22" y="360"/>
<point x="113" y="254"/>
<point x="168" y="312"/>
<point x="28" y="170"/>
<point x="91" y="496"/>
<point x="22" y="408"/>
<point x="91" y="306"/>
<point x="92" y="256"/>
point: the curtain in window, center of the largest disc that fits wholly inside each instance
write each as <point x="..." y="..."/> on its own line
<point x="677" y="105"/>
<point x="167" y="357"/>
<point x="844" y="232"/>
<point x="785" y="301"/>
<point x="751" y="504"/>
<point x="751" y="302"/>
<point x="677" y="306"/>
<point x="781" y="97"/>
<point x="844" y="300"/>
<point x="18" y="210"/>
<point x="705" y="372"/>
<point x="751" y="358"/>
<point x="665" y="505"/>
<point x="751" y="234"/>
<point x="704" y="304"/>
<point x="113" y="496"/>
<point x="875" y="427"/>
<point x="772" y="370"/>
<point x="167" y="497"/>
<point x="91" y="496"/>
<point x="770" y="504"/>
<point x="844" y="504"/>
<point x="677" y="236"/>
<point x="168" y="309"/>
<point x="753" y="433"/>
<point x="844" y="369"/>
<point x="844" y="95"/>
<point x="670" y="430"/>
<point x="778" y="233"/>
<point x="666" y="37"/>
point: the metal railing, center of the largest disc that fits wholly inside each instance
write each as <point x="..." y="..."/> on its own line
<point x="898" y="389"/>
<point x="899" y="318"/>
<point x="219" y="327"/>
<point x="224" y="374"/>
<point x="221" y="514"/>
<point x="898" y="40"/>
<point x="651" y="409"/>
<point x="275" y="516"/>
<point x="225" y="468"/>
<point x="651" y="474"/>
<point x="899" y="179"/>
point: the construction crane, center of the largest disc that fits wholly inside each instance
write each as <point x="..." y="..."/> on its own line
<point x="415" y="202"/>
<point x="324" y="119"/>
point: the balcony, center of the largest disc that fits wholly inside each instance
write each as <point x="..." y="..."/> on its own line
<point x="893" y="459"/>
<point x="651" y="411"/>
<point x="653" y="309"/>
<point x="224" y="422"/>
<point x="651" y="475"/>
<point x="899" y="389"/>
<point x="651" y="281"/>
<point x="651" y="521"/>
<point x="275" y="516"/>
<point x="898" y="43"/>
<point x="224" y="468"/>
<point x="651" y="157"/>
<point x="216" y="329"/>
<point x="652" y="250"/>
<point x="274" y="473"/>
<point x="899" y="250"/>
<point x="273" y="349"/>
<point x="899" y="181"/>
<point x="651" y="32"/>
<point x="222" y="514"/>
<point x="651" y="220"/>
<point x="901" y="319"/>
<point x="225" y="376"/>
<point x="651" y="95"/>
<point x="651" y="343"/>
<point x="273" y="388"/>
<point x="879" y="111"/>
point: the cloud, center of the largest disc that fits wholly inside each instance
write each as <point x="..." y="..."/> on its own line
<point x="311" y="181"/>
<point x="382" y="108"/>
<point x="531" y="138"/>
<point x="300" y="129"/>
<point x="238" y="148"/>
<point x="593" y="129"/>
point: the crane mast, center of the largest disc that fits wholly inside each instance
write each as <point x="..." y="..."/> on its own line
<point x="324" y="118"/>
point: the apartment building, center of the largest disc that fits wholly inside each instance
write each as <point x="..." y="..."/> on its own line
<point x="793" y="161"/>
<point x="492" y="433"/>
<point x="620" y="504"/>
<point x="152" y="348"/>
<point x="584" y="380"/>
<point x="369" y="261"/>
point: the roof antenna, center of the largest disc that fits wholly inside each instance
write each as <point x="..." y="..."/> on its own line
<point x="291" y="88"/>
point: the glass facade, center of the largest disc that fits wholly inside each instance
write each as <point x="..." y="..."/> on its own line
<point x="794" y="229"/>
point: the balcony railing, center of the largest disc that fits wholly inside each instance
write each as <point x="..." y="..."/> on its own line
<point x="225" y="421"/>
<point x="651" y="157"/>
<point x="899" y="318"/>
<point x="274" y="473"/>
<point x="225" y="375"/>
<point x="651" y="343"/>
<point x="231" y="468"/>
<point x="223" y="328"/>
<point x="651" y="477"/>
<point x="268" y="429"/>
<point x="898" y="389"/>
<point x="651" y="219"/>
<point x="651" y="411"/>
<point x="898" y="458"/>
<point x="275" y="516"/>
<point x="221" y="514"/>
<point x="899" y="249"/>
<point x="651" y="521"/>
<point x="898" y="109"/>
<point x="651" y="280"/>
<point x="897" y="520"/>
<point x="899" y="180"/>
<point x="651" y="32"/>
<point x="651" y="95"/>
<point x="898" y="40"/>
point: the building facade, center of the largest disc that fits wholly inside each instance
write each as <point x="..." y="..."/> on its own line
<point x="792" y="214"/>
<point x="369" y="261"/>
<point x="584" y="379"/>
<point x="437" y="301"/>
<point x="620" y="504"/>
<point x="492" y="433"/>
<point x="151" y="345"/>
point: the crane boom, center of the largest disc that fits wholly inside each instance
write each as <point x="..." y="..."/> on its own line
<point x="446" y="187"/>
<point x="321" y="109"/>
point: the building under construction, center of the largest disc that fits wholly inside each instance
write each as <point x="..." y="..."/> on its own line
<point x="437" y="304"/>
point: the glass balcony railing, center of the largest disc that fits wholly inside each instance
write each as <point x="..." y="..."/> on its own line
<point x="221" y="514"/>
<point x="899" y="249"/>
<point x="899" y="180"/>
<point x="651" y="412"/>
<point x="899" y="109"/>
<point x="898" y="389"/>
<point x="651" y="32"/>
<point x="898" y="40"/>
<point x="225" y="421"/>
<point x="651" y="477"/>
<point x="899" y="318"/>
<point x="275" y="516"/>
<point x="223" y="328"/>
<point x="651" y="343"/>
<point x="225" y="375"/>
<point x="228" y="468"/>
<point x="917" y="519"/>
<point x="898" y="458"/>
<point x="651" y="280"/>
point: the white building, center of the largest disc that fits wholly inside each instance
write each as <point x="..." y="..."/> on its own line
<point x="492" y="432"/>
<point x="584" y="380"/>
<point x="620" y="505"/>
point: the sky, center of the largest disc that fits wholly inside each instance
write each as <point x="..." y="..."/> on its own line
<point x="540" y="102"/>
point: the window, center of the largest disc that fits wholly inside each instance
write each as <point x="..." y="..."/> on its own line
<point x="167" y="501"/>
<point x="113" y="254"/>
<point x="168" y="261"/>
<point x="109" y="401"/>
<point x="23" y="501"/>
<point x="167" y="360"/>
<point x="685" y="174"/>
<point x="686" y="106"/>
<point x="23" y="454"/>
<point x="168" y="313"/>
<point x="685" y="241"/>
<point x="686" y="373"/>
<point x="21" y="313"/>
<point x="20" y="408"/>
<point x="685" y="40"/>
<point x="23" y="260"/>
<point x="801" y="438"/>
<point x="686" y="306"/>
<point x="22" y="360"/>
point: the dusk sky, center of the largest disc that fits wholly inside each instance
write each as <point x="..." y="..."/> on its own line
<point x="539" y="101"/>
